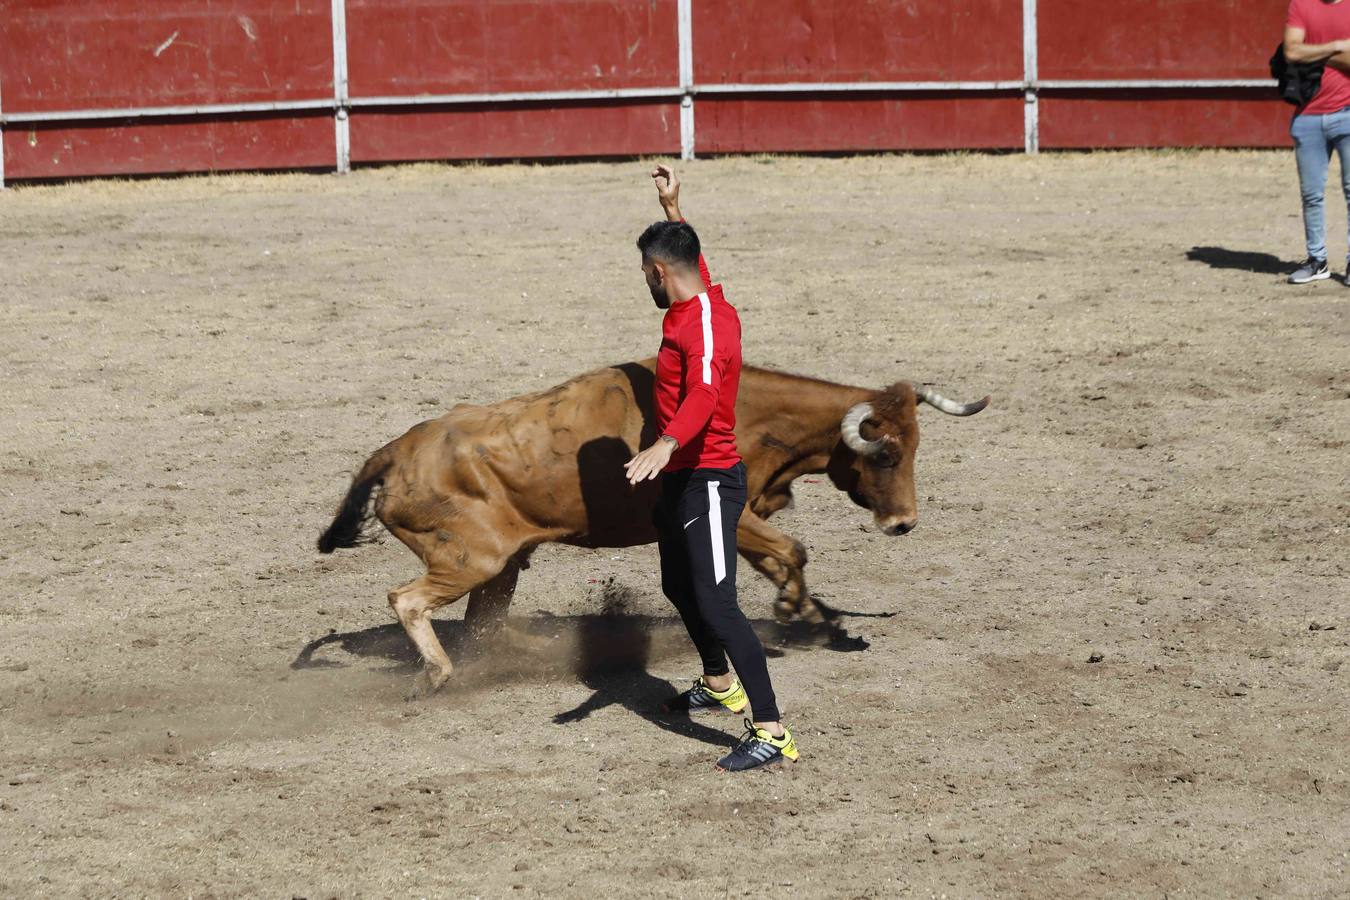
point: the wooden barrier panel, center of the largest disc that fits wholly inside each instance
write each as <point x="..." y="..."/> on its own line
<point x="63" y="55"/>
<point x="138" y="146"/>
<point x="118" y="54"/>
<point x="842" y="122"/>
<point x="1157" y="118"/>
<point x="767" y="41"/>
<point x="775" y="42"/>
<point x="515" y="131"/>
<point x="1193" y="39"/>
<point x="121" y="54"/>
<point x="401" y="47"/>
<point x="1160" y="39"/>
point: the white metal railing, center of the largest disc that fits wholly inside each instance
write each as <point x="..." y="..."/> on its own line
<point x="341" y="103"/>
<point x="342" y="133"/>
<point x="831" y="87"/>
<point x="685" y="25"/>
<point x="1031" y="109"/>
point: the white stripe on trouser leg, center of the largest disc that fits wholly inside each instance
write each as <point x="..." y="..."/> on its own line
<point x="715" y="530"/>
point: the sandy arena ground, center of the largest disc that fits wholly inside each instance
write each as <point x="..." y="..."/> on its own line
<point x="194" y="367"/>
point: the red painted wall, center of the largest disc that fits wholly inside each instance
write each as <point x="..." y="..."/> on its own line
<point x="118" y="54"/>
<point x="1158" y="38"/>
<point x="402" y="47"/>
<point x="766" y="41"/>
<point x="771" y="41"/>
<point x="72" y="55"/>
<point x="138" y="146"/>
<point x="846" y="121"/>
<point x="1162" y="118"/>
<point x="1163" y="39"/>
<point x="515" y="131"/>
<point x="470" y="46"/>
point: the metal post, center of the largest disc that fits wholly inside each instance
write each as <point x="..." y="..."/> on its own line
<point x="686" y="127"/>
<point x="342" y="133"/>
<point x="341" y="125"/>
<point x="686" y="27"/>
<point x="1031" y="112"/>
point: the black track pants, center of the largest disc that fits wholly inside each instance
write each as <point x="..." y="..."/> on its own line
<point x="696" y="521"/>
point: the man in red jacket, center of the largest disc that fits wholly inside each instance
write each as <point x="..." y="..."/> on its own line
<point x="703" y="491"/>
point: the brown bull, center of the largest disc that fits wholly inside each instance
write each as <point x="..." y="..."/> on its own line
<point x="473" y="492"/>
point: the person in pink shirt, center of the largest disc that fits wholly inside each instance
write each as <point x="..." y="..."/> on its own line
<point x="1319" y="31"/>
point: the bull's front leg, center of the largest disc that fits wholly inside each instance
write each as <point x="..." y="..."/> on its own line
<point x="780" y="559"/>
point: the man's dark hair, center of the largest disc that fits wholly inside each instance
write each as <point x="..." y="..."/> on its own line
<point x="670" y="242"/>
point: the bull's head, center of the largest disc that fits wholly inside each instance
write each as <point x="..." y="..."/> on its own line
<point x="874" y="461"/>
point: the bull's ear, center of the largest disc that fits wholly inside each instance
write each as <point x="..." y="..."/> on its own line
<point x="842" y="468"/>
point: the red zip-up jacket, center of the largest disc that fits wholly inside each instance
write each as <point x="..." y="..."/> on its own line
<point x="698" y="372"/>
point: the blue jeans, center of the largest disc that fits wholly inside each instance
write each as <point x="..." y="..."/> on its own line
<point x="1314" y="137"/>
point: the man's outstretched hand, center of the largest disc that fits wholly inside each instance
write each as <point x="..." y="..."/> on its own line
<point x="649" y="463"/>
<point x="668" y="191"/>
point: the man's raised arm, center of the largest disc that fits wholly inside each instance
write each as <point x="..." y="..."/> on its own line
<point x="668" y="192"/>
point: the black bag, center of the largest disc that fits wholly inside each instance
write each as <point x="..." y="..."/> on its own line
<point x="1297" y="82"/>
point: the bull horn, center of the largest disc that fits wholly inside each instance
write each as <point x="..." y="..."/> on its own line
<point x="849" y="429"/>
<point x="950" y="407"/>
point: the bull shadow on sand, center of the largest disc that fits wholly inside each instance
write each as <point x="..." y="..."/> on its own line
<point x="619" y="514"/>
<point x="1244" y="260"/>
<point x="609" y="653"/>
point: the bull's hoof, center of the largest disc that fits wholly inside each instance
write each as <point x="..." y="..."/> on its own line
<point x="807" y="612"/>
<point x="428" y="681"/>
<point x="812" y="614"/>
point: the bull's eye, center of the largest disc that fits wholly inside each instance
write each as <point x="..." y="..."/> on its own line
<point x="887" y="460"/>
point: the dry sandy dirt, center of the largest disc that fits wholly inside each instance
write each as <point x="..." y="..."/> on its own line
<point x="195" y="703"/>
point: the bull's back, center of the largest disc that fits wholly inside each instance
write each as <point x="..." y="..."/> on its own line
<point x="577" y="437"/>
<point x="550" y="462"/>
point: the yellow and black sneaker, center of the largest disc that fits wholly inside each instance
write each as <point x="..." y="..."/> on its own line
<point x="701" y="698"/>
<point x="758" y="748"/>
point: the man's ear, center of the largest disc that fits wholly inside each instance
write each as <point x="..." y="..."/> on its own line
<point x="661" y="271"/>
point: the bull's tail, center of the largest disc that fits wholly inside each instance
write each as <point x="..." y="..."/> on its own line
<point x="348" y="526"/>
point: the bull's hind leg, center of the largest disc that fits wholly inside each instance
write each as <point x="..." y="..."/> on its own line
<point x="486" y="619"/>
<point x="490" y="601"/>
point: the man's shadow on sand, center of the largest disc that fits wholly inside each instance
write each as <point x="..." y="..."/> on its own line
<point x="1243" y="260"/>
<point x="609" y="653"/>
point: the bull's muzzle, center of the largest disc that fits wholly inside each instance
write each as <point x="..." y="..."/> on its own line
<point x="896" y="525"/>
